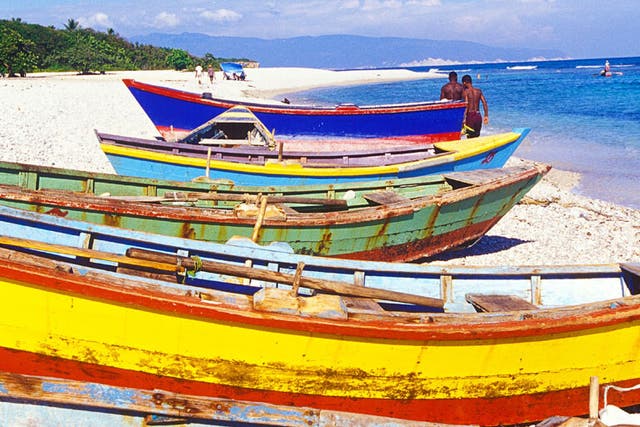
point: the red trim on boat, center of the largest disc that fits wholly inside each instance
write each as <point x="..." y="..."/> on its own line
<point x="294" y="110"/>
<point x="480" y="411"/>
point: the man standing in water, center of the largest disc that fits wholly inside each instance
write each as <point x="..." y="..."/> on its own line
<point x="452" y="90"/>
<point x="473" y="118"/>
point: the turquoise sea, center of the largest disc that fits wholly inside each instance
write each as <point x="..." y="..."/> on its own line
<point x="580" y="122"/>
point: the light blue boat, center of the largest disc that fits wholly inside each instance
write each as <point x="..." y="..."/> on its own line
<point x="186" y="162"/>
<point x="545" y="286"/>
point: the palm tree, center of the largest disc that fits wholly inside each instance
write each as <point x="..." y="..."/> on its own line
<point x="72" y="25"/>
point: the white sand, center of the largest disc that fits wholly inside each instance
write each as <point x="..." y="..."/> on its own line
<point x="49" y="119"/>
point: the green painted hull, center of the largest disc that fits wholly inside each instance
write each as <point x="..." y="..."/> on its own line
<point x="407" y="224"/>
<point x="42" y="177"/>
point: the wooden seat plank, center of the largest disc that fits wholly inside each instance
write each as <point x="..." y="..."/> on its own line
<point x="385" y="197"/>
<point x="494" y="303"/>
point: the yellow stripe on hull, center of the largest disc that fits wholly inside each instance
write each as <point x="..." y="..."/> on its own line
<point x="93" y="331"/>
<point x="460" y="149"/>
<point x="279" y="168"/>
<point x="464" y="148"/>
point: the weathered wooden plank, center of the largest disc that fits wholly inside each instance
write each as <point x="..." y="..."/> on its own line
<point x="54" y="401"/>
<point x="87" y="253"/>
<point x="476" y="177"/>
<point x="493" y="303"/>
<point x="277" y="300"/>
<point x="278" y="277"/>
<point x="247" y="198"/>
<point x="361" y="304"/>
<point x="385" y="197"/>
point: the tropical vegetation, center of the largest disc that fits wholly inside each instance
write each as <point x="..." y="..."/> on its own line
<point x="26" y="48"/>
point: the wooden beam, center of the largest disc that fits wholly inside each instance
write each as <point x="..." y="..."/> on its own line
<point x="340" y="288"/>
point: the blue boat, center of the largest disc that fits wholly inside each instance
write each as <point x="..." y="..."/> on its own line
<point x="541" y="285"/>
<point x="175" y="111"/>
<point x="185" y="162"/>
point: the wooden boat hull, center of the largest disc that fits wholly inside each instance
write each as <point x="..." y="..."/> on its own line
<point x="51" y="401"/>
<point x="179" y="162"/>
<point x="174" y="112"/>
<point x="543" y="286"/>
<point x="487" y="369"/>
<point x="36" y="177"/>
<point x="402" y="229"/>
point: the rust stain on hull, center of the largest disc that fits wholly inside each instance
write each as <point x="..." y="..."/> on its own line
<point x="428" y="246"/>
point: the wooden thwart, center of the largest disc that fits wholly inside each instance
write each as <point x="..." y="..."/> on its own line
<point x="222" y="197"/>
<point x="385" y="197"/>
<point x="258" y="224"/>
<point x="279" y="277"/>
<point x="166" y="262"/>
<point x="492" y="303"/>
<point x="87" y="253"/>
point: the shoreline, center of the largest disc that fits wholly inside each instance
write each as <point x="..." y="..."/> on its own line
<point x="50" y="120"/>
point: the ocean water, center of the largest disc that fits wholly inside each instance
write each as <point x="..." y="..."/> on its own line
<point x="580" y="122"/>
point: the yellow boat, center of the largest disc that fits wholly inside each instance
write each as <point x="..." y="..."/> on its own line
<point x="330" y="352"/>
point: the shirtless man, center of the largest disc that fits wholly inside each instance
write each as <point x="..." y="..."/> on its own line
<point x="473" y="118"/>
<point x="452" y="90"/>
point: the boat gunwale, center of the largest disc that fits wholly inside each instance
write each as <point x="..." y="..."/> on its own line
<point x="289" y="109"/>
<point x="549" y="322"/>
<point x="294" y="168"/>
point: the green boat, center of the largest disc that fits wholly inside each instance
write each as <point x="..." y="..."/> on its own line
<point x="394" y="220"/>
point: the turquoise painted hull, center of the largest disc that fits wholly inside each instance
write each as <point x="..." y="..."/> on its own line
<point x="165" y="167"/>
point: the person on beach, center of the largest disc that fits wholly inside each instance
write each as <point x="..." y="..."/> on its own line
<point x="473" y="119"/>
<point x="199" y="74"/>
<point x="212" y="74"/>
<point x="452" y="90"/>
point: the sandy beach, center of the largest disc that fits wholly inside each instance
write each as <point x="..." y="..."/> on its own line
<point x="49" y="119"/>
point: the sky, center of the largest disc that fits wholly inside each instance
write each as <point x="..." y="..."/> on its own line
<point x="578" y="28"/>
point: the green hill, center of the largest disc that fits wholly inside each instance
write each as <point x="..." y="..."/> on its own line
<point x="26" y="48"/>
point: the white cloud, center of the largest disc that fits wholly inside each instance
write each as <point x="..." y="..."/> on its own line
<point x="221" y="15"/>
<point x="349" y="4"/>
<point x="370" y="5"/>
<point x="97" y="20"/>
<point x="424" y="3"/>
<point x="165" y="19"/>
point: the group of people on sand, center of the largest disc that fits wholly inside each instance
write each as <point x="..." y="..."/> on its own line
<point x="472" y="96"/>
<point x="210" y="72"/>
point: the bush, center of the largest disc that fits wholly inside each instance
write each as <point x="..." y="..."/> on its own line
<point x="16" y="53"/>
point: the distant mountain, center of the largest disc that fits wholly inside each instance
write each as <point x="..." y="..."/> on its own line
<point x="340" y="51"/>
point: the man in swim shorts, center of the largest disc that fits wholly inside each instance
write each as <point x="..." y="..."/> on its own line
<point x="473" y="119"/>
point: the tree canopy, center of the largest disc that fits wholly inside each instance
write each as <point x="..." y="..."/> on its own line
<point x="16" y="53"/>
<point x="26" y="48"/>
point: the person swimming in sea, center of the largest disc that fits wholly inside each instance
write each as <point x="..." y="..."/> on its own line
<point x="607" y="69"/>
